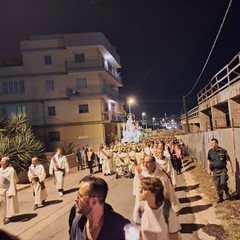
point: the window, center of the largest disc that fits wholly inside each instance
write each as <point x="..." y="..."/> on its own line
<point x="49" y="85"/>
<point x="113" y="108"/>
<point x="81" y="83"/>
<point x="106" y="107"/>
<point x="12" y="109"/>
<point x="21" y="109"/>
<point x="3" y="112"/>
<point x="48" y="60"/>
<point x="83" y="108"/>
<point x="14" y="87"/>
<point x="54" y="136"/>
<point x="51" y="111"/>
<point x="79" y="58"/>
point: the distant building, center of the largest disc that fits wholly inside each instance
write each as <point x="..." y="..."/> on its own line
<point x="68" y="85"/>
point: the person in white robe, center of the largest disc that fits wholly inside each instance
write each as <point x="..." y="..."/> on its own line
<point x="59" y="167"/>
<point x="36" y="175"/>
<point x="151" y="168"/>
<point x="105" y="158"/>
<point x="166" y="165"/>
<point x="8" y="190"/>
<point x="122" y="162"/>
<point x="112" y="162"/>
<point x="130" y="154"/>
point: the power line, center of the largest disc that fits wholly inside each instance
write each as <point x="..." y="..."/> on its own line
<point x="214" y="43"/>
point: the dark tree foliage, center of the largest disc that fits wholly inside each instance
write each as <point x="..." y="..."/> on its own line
<point x="18" y="142"/>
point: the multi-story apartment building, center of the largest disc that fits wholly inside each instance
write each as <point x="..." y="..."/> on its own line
<point x="68" y="86"/>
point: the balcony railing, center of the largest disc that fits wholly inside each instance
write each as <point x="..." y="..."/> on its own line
<point x="118" y="117"/>
<point x="224" y="78"/>
<point x="92" y="65"/>
<point x="94" y="90"/>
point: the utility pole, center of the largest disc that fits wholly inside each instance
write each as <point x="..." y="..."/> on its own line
<point x="186" y="116"/>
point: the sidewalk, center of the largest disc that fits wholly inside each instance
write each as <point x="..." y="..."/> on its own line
<point x="197" y="212"/>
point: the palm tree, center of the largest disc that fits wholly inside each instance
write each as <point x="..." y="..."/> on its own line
<point x="18" y="141"/>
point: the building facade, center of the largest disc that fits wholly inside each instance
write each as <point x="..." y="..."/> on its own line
<point x="68" y="86"/>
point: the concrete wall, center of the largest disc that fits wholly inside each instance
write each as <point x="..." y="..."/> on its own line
<point x="199" y="143"/>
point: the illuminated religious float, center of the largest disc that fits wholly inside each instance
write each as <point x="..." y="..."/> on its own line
<point x="131" y="132"/>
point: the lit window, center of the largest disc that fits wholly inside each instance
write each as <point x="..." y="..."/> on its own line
<point x="21" y="110"/>
<point x="83" y="108"/>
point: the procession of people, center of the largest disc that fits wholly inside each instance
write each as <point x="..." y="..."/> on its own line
<point x="152" y="165"/>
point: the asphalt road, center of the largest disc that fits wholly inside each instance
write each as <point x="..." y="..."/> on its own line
<point x="51" y="220"/>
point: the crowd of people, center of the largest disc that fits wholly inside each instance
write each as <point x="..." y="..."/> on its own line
<point x="153" y="165"/>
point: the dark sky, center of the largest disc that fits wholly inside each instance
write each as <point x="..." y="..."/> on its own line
<point x="163" y="44"/>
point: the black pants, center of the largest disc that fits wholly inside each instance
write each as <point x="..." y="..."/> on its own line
<point x="177" y="164"/>
<point x="90" y="163"/>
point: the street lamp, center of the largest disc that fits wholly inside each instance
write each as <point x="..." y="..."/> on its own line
<point x="153" y="121"/>
<point x="130" y="101"/>
<point x="143" y="114"/>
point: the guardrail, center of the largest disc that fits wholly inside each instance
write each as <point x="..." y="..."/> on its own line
<point x="225" y="77"/>
<point x="194" y="112"/>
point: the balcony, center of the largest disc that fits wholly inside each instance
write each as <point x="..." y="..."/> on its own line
<point x="115" y="117"/>
<point x="94" y="90"/>
<point x="92" y="65"/>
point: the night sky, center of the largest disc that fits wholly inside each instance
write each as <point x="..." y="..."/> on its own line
<point x="163" y="45"/>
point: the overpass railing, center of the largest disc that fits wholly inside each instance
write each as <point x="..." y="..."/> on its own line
<point x="224" y="78"/>
<point x="194" y="112"/>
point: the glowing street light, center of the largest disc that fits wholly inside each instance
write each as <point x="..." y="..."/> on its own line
<point x="153" y="121"/>
<point x="130" y="101"/>
<point x="143" y="114"/>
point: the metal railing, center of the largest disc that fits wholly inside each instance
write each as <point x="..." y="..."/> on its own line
<point x="225" y="77"/>
<point x="93" y="90"/>
<point x="92" y="65"/>
<point x="193" y="113"/>
<point x="118" y="117"/>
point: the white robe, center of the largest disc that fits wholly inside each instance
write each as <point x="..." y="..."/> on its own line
<point x="62" y="163"/>
<point x="168" y="190"/>
<point x="106" y="162"/>
<point x="8" y="180"/>
<point x="166" y="165"/>
<point x="40" y="193"/>
<point x="131" y="166"/>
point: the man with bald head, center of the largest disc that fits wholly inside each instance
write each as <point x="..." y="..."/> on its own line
<point x="36" y="175"/>
<point x="151" y="168"/>
<point x="8" y="190"/>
